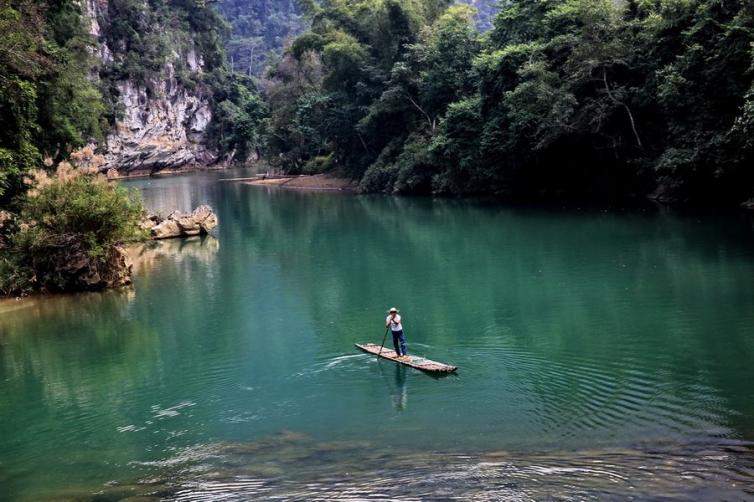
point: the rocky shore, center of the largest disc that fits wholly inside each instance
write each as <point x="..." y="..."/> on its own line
<point x="77" y="269"/>
<point x="199" y="222"/>
<point x="115" y="269"/>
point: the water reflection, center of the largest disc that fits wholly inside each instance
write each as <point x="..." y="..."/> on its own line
<point x="148" y="255"/>
<point x="580" y="322"/>
<point x="589" y="345"/>
<point x="76" y="368"/>
<point x="601" y="321"/>
<point x="400" y="398"/>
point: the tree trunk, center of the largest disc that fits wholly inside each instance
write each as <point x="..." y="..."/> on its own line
<point x="625" y="106"/>
<point x="432" y="122"/>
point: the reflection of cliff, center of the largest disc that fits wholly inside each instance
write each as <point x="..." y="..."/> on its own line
<point x="147" y="255"/>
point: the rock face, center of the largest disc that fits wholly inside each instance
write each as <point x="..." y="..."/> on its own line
<point x="112" y="272"/>
<point x="74" y="269"/>
<point x="155" y="133"/>
<point x="162" y="124"/>
<point x="178" y="224"/>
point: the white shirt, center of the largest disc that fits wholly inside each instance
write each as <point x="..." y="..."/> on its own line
<point x="397" y="326"/>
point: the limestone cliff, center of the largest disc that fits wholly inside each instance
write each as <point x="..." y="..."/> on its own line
<point x="159" y="122"/>
<point x="165" y="131"/>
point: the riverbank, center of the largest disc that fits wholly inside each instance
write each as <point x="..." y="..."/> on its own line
<point x="115" y="175"/>
<point x="325" y="181"/>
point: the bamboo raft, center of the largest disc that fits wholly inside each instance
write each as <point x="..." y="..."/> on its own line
<point x="420" y="363"/>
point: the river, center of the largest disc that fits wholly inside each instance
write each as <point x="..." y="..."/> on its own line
<point x="601" y="354"/>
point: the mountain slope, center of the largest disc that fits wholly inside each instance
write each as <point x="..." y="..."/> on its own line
<point x="260" y="29"/>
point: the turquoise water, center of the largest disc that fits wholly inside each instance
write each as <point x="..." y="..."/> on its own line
<point x="623" y="340"/>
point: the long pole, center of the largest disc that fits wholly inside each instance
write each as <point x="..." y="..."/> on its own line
<point x="383" y="341"/>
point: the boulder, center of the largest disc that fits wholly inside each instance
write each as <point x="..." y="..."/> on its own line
<point x="166" y="230"/>
<point x="113" y="273"/>
<point x="200" y="221"/>
<point x="149" y="221"/>
<point x="189" y="225"/>
<point x="206" y="218"/>
<point x="202" y="212"/>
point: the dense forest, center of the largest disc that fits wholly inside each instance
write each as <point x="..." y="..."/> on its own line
<point x="63" y="69"/>
<point x="59" y="81"/>
<point x="259" y="31"/>
<point x="47" y="99"/>
<point x="558" y="99"/>
<point x="561" y="99"/>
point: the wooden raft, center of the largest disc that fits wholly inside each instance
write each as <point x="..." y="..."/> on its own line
<point x="420" y="363"/>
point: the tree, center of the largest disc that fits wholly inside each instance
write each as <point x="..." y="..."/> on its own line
<point x="71" y="223"/>
<point x="259" y="31"/>
<point x="47" y="103"/>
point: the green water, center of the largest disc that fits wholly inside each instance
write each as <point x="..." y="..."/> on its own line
<point x="582" y="338"/>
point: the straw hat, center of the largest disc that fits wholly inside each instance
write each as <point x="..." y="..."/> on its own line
<point x="392" y="309"/>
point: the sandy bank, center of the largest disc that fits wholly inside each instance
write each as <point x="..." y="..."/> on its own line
<point x="313" y="182"/>
<point x="114" y="174"/>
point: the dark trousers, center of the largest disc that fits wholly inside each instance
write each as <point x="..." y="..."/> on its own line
<point x="399" y="342"/>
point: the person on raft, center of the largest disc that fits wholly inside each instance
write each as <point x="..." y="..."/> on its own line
<point x="399" y="340"/>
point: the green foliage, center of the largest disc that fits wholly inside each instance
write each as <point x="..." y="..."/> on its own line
<point x="239" y="119"/>
<point x="14" y="278"/>
<point x="259" y="31"/>
<point x="319" y="164"/>
<point x="142" y="36"/>
<point x="47" y="103"/>
<point x="456" y="149"/>
<point x="136" y="37"/>
<point x="295" y="97"/>
<point x="97" y="212"/>
<point x="385" y="72"/>
<point x="66" y="217"/>
<point x="562" y="99"/>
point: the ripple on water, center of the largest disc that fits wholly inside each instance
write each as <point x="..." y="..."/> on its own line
<point x="293" y="466"/>
<point x="347" y="363"/>
<point x="571" y="396"/>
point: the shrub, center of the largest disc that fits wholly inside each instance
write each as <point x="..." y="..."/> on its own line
<point x="319" y="164"/>
<point x="71" y="223"/>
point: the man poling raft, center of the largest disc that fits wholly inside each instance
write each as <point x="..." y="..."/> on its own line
<point x="399" y="339"/>
<point x="393" y="323"/>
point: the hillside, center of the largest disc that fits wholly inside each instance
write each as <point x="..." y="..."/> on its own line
<point x="570" y="99"/>
<point x="145" y="82"/>
<point x="259" y="30"/>
<point x="565" y="100"/>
